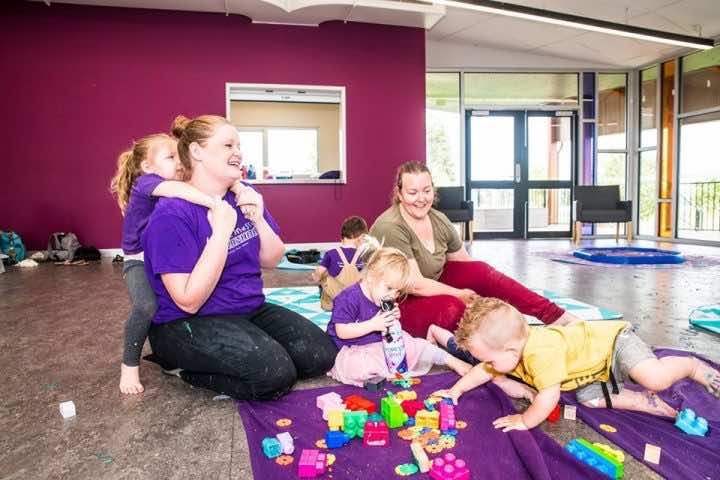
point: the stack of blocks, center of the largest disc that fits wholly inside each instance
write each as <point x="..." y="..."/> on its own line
<point x="376" y="434"/>
<point x="330" y="402"/>
<point x="356" y="402"/>
<point x="354" y="423"/>
<point x="411" y="407"/>
<point x="447" y="416"/>
<point x="596" y="457"/>
<point x="449" y="467"/>
<point x="424" y="418"/>
<point x="312" y="463"/>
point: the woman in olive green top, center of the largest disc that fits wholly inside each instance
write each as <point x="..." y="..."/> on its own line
<point x="446" y="277"/>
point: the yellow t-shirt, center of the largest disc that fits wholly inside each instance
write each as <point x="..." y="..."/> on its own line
<point x="391" y="227"/>
<point x="572" y="356"/>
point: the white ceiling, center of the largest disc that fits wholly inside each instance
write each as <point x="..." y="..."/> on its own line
<point x="455" y="27"/>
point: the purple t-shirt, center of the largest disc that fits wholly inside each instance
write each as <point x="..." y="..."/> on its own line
<point x="174" y="240"/>
<point x="352" y="306"/>
<point x="140" y="206"/>
<point x="332" y="261"/>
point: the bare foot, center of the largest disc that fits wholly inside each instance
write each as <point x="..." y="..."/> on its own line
<point x="707" y="376"/>
<point x="438" y="335"/>
<point x="458" y="365"/>
<point x="130" y="380"/>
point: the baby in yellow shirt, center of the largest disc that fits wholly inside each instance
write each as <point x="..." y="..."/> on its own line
<point x="581" y="356"/>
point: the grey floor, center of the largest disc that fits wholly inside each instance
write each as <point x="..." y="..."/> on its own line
<point x="61" y="330"/>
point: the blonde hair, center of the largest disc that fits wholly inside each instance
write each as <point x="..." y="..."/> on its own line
<point x="197" y="130"/>
<point x="411" y="168"/>
<point x="383" y="261"/>
<point x="129" y="166"/>
<point x="506" y="325"/>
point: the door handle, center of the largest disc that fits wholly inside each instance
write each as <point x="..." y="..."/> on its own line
<point x="517" y="173"/>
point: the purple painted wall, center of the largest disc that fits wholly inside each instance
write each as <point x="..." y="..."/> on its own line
<point x="80" y="82"/>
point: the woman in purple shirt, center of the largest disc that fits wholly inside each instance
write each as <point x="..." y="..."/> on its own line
<point x="213" y="327"/>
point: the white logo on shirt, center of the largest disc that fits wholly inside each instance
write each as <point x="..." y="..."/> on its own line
<point x="241" y="236"/>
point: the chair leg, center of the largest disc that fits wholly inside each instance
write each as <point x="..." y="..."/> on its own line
<point x="629" y="231"/>
<point x="617" y="233"/>
<point x="578" y="232"/>
<point x="471" y="231"/>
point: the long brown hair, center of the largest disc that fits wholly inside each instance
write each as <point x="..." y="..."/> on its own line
<point x="129" y="166"/>
<point x="197" y="130"/>
<point x="408" y="167"/>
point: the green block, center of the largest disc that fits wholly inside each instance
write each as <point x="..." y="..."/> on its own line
<point x="354" y="423"/>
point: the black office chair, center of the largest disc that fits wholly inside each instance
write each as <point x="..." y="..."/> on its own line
<point x="451" y="201"/>
<point x="601" y="204"/>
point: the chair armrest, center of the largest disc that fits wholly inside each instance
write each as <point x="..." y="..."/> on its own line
<point x="577" y="208"/>
<point x="466" y="205"/>
<point x="625" y="205"/>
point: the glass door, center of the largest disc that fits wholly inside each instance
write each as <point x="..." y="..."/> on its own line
<point x="519" y="166"/>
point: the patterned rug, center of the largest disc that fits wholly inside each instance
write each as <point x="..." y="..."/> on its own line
<point x="306" y="302"/>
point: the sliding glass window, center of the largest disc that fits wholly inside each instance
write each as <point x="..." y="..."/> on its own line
<point x="442" y="120"/>
<point x="648" y="188"/>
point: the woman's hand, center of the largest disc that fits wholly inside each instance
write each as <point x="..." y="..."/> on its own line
<point x="250" y="203"/>
<point x="383" y="320"/>
<point x="467" y="295"/>
<point x="222" y="217"/>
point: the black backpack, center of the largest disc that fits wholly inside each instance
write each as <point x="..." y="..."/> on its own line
<point x="303" y="256"/>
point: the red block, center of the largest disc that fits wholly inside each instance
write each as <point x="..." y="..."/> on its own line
<point x="376" y="434"/>
<point x="356" y="402"/>
<point x="555" y="414"/>
<point x="411" y="407"/>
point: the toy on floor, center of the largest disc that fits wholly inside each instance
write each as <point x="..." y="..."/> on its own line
<point x="286" y="442"/>
<point x="376" y="434"/>
<point x="354" y="423"/>
<point x="356" y="402"/>
<point x="411" y="407"/>
<point x="336" y="439"/>
<point x="706" y="317"/>
<point x="375" y="384"/>
<point x="630" y="255"/>
<point x="328" y="403"/>
<point x="335" y="419"/>
<point x="425" y="418"/>
<point x="392" y="412"/>
<point x="690" y="423"/>
<point x="447" y="416"/>
<point x="271" y="447"/>
<point x="596" y="458"/>
<point x="403" y="395"/>
<point x="312" y="463"/>
<point x="555" y="414"/>
<point x="449" y="467"/>
<point x="421" y="458"/>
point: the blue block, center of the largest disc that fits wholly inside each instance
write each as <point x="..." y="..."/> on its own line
<point x="271" y="447"/>
<point x="336" y="439"/>
<point x="582" y="450"/>
<point x="691" y="424"/>
<point x="410" y="422"/>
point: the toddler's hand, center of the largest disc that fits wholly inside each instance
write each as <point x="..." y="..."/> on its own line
<point x="510" y="422"/>
<point x="450" y="393"/>
<point x="467" y="296"/>
<point x="382" y="321"/>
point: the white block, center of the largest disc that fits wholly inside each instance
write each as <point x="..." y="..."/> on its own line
<point x="67" y="409"/>
<point x="287" y="443"/>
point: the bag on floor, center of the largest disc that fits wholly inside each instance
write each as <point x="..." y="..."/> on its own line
<point x="62" y="246"/>
<point x="11" y="245"/>
<point x="303" y="256"/>
<point x="88" y="254"/>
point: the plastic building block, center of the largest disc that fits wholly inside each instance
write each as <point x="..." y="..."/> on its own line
<point x="323" y="401"/>
<point x="392" y="412"/>
<point x="67" y="409"/>
<point x="376" y="434"/>
<point x="608" y="450"/>
<point x="421" y="458"/>
<point x="403" y="395"/>
<point x="312" y="463"/>
<point x="411" y="407"/>
<point x="375" y="384"/>
<point x="336" y="439"/>
<point x="354" y="423"/>
<point x="271" y="447"/>
<point x="555" y="414"/>
<point x="286" y="443"/>
<point x="424" y="418"/>
<point x="690" y="423"/>
<point x="447" y="417"/>
<point x="336" y="419"/>
<point x="449" y="467"/>
<point x="595" y="457"/>
<point x="429" y="406"/>
<point x="375" y="417"/>
<point x="356" y="402"/>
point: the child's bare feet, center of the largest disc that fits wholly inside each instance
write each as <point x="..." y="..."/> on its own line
<point x="458" y="365"/>
<point x="130" y="380"/>
<point x="707" y="376"/>
<point x="438" y="335"/>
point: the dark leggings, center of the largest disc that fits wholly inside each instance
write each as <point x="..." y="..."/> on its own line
<point x="142" y="311"/>
<point x="253" y="356"/>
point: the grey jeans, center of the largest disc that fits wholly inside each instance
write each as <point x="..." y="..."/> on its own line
<point x="143" y="309"/>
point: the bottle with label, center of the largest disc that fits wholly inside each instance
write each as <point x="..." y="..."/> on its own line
<point x="393" y="344"/>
